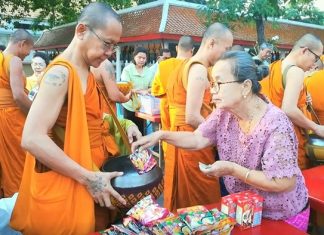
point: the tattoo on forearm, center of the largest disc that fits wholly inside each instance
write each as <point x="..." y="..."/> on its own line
<point x="55" y="79"/>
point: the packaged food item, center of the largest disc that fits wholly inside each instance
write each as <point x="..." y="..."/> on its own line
<point x="136" y="226"/>
<point x="143" y="160"/>
<point x="192" y="209"/>
<point x="147" y="211"/>
<point x="198" y="221"/>
<point x="249" y="211"/>
<point x="174" y="225"/>
<point x="118" y="230"/>
<point x="228" y="205"/>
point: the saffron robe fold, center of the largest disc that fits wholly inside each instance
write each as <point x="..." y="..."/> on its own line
<point x="12" y="120"/>
<point x="314" y="85"/>
<point x="50" y="203"/>
<point x="272" y="87"/>
<point x="159" y="87"/>
<point x="185" y="185"/>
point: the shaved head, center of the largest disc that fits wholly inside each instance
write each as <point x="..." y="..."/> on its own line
<point x="217" y="31"/>
<point x="186" y="43"/>
<point x="21" y="35"/>
<point x="310" y="41"/>
<point x="96" y="14"/>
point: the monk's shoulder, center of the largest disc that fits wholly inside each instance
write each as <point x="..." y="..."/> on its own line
<point x="56" y="75"/>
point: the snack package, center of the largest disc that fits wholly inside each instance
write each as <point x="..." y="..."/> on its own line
<point x="249" y="211"/>
<point x="143" y="160"/>
<point x="228" y="205"/>
<point x="223" y="223"/>
<point x="198" y="221"/>
<point x="147" y="211"/>
<point x="192" y="209"/>
<point x="118" y="230"/>
<point x="174" y="225"/>
<point x="136" y="226"/>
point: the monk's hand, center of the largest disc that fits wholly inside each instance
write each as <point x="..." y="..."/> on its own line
<point x="128" y="96"/>
<point x="133" y="133"/>
<point x="319" y="130"/>
<point x="147" y="141"/>
<point x="219" y="169"/>
<point x="99" y="186"/>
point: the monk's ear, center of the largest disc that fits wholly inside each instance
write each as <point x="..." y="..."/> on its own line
<point x="303" y="50"/>
<point x="81" y="30"/>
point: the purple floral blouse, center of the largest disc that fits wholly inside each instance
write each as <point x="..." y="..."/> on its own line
<point x="270" y="147"/>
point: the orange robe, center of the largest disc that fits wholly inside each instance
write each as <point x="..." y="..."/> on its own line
<point x="50" y="203"/>
<point x="159" y="87"/>
<point x="12" y="119"/>
<point x="315" y="85"/>
<point x="272" y="87"/>
<point x="184" y="184"/>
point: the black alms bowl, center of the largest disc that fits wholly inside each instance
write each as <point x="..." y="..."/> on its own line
<point x="315" y="148"/>
<point x="131" y="185"/>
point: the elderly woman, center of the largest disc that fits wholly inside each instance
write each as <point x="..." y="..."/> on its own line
<point x="141" y="77"/>
<point x="256" y="142"/>
<point x="39" y="63"/>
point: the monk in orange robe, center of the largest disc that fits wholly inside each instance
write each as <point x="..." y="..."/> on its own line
<point x="160" y="82"/>
<point x="105" y="78"/>
<point x="14" y="105"/>
<point x="284" y="87"/>
<point x="314" y="85"/>
<point x="61" y="180"/>
<point x="187" y="90"/>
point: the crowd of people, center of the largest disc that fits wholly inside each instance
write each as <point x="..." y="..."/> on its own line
<point x="240" y="115"/>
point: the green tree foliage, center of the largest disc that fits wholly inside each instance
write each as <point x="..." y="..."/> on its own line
<point x="55" y="12"/>
<point x="258" y="11"/>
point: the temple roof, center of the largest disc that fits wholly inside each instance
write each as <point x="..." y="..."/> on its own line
<point x="170" y="19"/>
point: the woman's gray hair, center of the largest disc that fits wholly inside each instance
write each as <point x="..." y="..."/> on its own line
<point x="243" y="68"/>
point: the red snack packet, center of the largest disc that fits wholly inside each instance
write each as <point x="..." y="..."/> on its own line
<point x="143" y="160"/>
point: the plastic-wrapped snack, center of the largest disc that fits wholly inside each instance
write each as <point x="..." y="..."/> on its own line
<point x="109" y="231"/>
<point x="136" y="226"/>
<point x="143" y="160"/>
<point x="199" y="221"/>
<point x="174" y="225"/>
<point x="122" y="230"/>
<point x="223" y="223"/>
<point x="192" y="209"/>
<point x="147" y="211"/>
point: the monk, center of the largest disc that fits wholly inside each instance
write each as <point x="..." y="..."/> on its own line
<point x="105" y="77"/>
<point x="284" y="87"/>
<point x="159" y="85"/>
<point x="14" y="106"/>
<point x="61" y="181"/>
<point x="188" y="95"/>
<point x="314" y="86"/>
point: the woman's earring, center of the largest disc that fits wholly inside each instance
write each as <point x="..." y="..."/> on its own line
<point x="244" y="96"/>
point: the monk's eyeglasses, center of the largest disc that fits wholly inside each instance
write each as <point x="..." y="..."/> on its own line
<point x="317" y="57"/>
<point x="107" y="45"/>
<point x="216" y="85"/>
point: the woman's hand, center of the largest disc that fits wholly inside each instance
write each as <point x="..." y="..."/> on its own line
<point x="147" y="141"/>
<point x="219" y="169"/>
<point x="98" y="185"/>
<point x="133" y="133"/>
